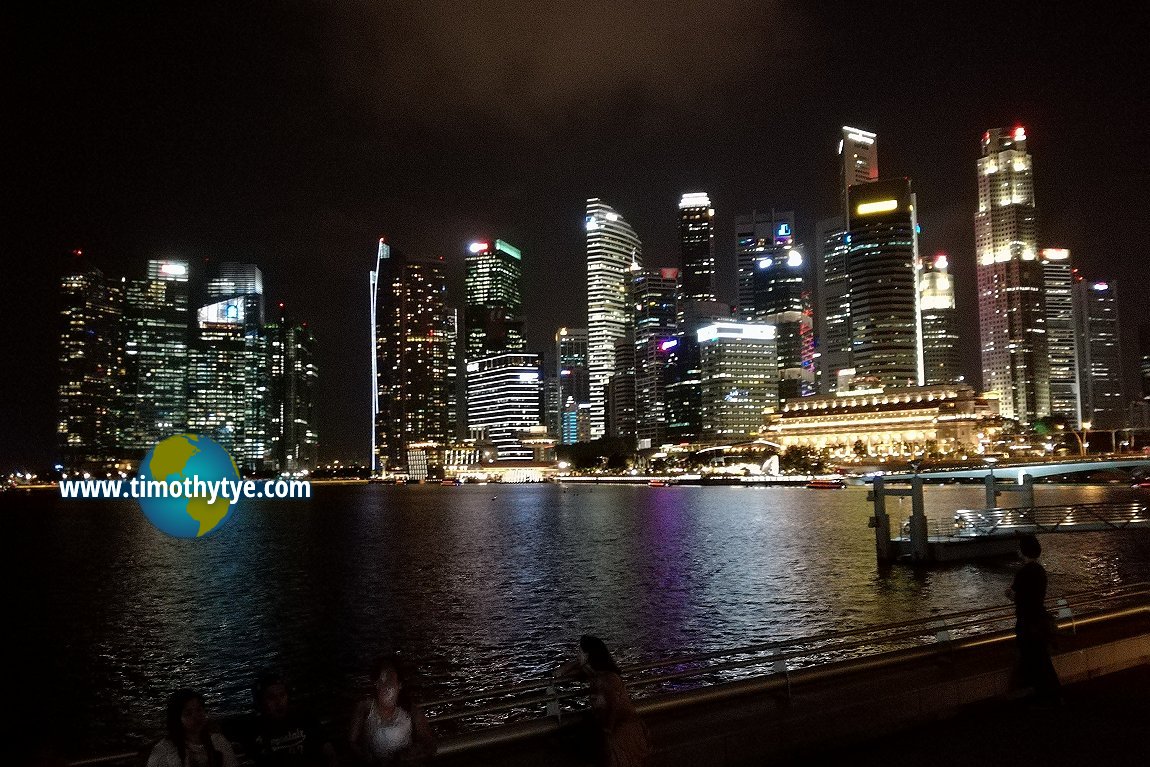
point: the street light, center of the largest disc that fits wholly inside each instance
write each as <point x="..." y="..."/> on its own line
<point x="1085" y="436"/>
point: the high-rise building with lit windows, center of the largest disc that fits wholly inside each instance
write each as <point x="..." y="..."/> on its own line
<point x="753" y="233"/>
<point x="292" y="378"/>
<point x="154" y="405"/>
<point x="886" y="332"/>
<point x="858" y="156"/>
<point x="503" y="401"/>
<point x="1061" y="346"/>
<point x="414" y="350"/>
<point x="91" y="369"/>
<point x="494" y="299"/>
<point x="941" y="364"/>
<point x="781" y="296"/>
<point x="739" y="378"/>
<point x="1099" y="338"/>
<point x="572" y="381"/>
<point x="654" y="297"/>
<point x="696" y="247"/>
<point x="612" y="248"/>
<point x="1011" y="315"/>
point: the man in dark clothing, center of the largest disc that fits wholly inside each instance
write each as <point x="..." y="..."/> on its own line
<point x="279" y="735"/>
<point x="1033" y="625"/>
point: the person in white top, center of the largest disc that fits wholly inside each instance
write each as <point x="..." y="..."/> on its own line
<point x="389" y="727"/>
<point x="190" y="742"/>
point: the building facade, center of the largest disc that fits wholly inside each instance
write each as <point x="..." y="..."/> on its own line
<point x="503" y="401"/>
<point x="1011" y="315"/>
<point x="885" y="321"/>
<point x="573" y="381"/>
<point x="612" y="248"/>
<point x="782" y="298"/>
<point x="654" y="298"/>
<point x="753" y="233"/>
<point x="696" y="247"/>
<point x="1100" y="371"/>
<point x="738" y="379"/>
<point x="493" y="316"/>
<point x="91" y="369"/>
<point x="941" y="364"/>
<point x="293" y="438"/>
<point x="414" y="348"/>
<point x="1061" y="344"/>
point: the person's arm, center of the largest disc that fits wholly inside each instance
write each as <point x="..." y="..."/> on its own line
<point x="572" y="669"/>
<point x="355" y="734"/>
<point x="224" y="746"/>
<point x="422" y="738"/>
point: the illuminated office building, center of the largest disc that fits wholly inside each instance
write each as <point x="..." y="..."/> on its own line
<point x="503" y="401"/>
<point x="1061" y="345"/>
<point x="154" y="405"/>
<point x="621" y="406"/>
<point x="738" y="379"/>
<point x="292" y="378"/>
<point x="697" y="247"/>
<point x="653" y="295"/>
<point x="573" y="382"/>
<point x="858" y="161"/>
<point x="414" y="338"/>
<point x="91" y="369"/>
<point x="753" y="233"/>
<point x="1100" y="373"/>
<point x="886" y="335"/>
<point x="939" y="322"/>
<point x="612" y="248"/>
<point x="684" y="386"/>
<point x="494" y="299"/>
<point x="1011" y="317"/>
<point x="781" y="296"/>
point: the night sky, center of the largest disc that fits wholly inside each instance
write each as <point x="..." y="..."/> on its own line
<point x="294" y="134"/>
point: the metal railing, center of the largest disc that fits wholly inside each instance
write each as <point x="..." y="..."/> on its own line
<point x="537" y="706"/>
<point x="1079" y="517"/>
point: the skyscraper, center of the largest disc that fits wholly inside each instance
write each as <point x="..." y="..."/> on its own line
<point x="858" y="155"/>
<point x="292" y="378"/>
<point x="494" y="299"/>
<point x="414" y="336"/>
<point x="621" y="406"/>
<point x="781" y="297"/>
<point x="573" y="382"/>
<point x="155" y="394"/>
<point x="739" y="378"/>
<point x="503" y="401"/>
<point x="753" y="233"/>
<point x="1012" y="321"/>
<point x="1062" y="348"/>
<point x="91" y="369"/>
<point x="612" y="247"/>
<point x="653" y="295"/>
<point x="227" y="371"/>
<point x="697" y="247"/>
<point x="1100" y="371"/>
<point x="886" y="335"/>
<point x="939" y="322"/>
<point x="684" y="387"/>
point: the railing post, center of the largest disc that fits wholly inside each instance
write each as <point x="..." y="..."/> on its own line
<point x="991" y="500"/>
<point x="881" y="523"/>
<point x="553" y="708"/>
<point x="919" y="537"/>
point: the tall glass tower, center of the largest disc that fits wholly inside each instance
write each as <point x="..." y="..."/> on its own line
<point x="653" y="295"/>
<point x="292" y="379"/>
<point x="939" y="322"/>
<point x="414" y="339"/>
<point x="1011" y="316"/>
<point x="1058" y="289"/>
<point x="572" y="381"/>
<point x="91" y="369"/>
<point x="494" y="299"/>
<point x="886" y="334"/>
<point x="612" y="248"/>
<point x="697" y="247"/>
<point x="155" y="401"/>
<point x="1099" y="353"/>
<point x="782" y="298"/>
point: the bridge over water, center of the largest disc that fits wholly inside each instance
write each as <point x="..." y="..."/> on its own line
<point x="993" y="531"/>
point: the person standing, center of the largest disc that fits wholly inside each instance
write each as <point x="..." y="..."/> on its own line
<point x="1033" y="626"/>
<point x="280" y="735"/>
<point x="624" y="738"/>
<point x="390" y="727"/>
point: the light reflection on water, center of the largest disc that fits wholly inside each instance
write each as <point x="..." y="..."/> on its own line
<point x="480" y="585"/>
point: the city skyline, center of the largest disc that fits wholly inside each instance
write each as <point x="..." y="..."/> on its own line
<point x="181" y="169"/>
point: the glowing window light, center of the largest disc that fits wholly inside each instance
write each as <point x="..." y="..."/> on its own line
<point x="882" y="206"/>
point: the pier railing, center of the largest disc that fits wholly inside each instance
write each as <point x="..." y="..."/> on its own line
<point x="1079" y="517"/>
<point x="537" y="706"/>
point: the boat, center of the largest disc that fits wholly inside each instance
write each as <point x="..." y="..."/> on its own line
<point x="826" y="484"/>
<point x="450" y="482"/>
<point x="658" y="483"/>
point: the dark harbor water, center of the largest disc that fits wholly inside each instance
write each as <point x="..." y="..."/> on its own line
<point x="479" y="585"/>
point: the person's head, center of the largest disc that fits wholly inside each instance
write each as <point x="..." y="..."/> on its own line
<point x="1029" y="546"/>
<point x="186" y="716"/>
<point x="595" y="655"/>
<point x="387" y="680"/>
<point x="270" y="695"/>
